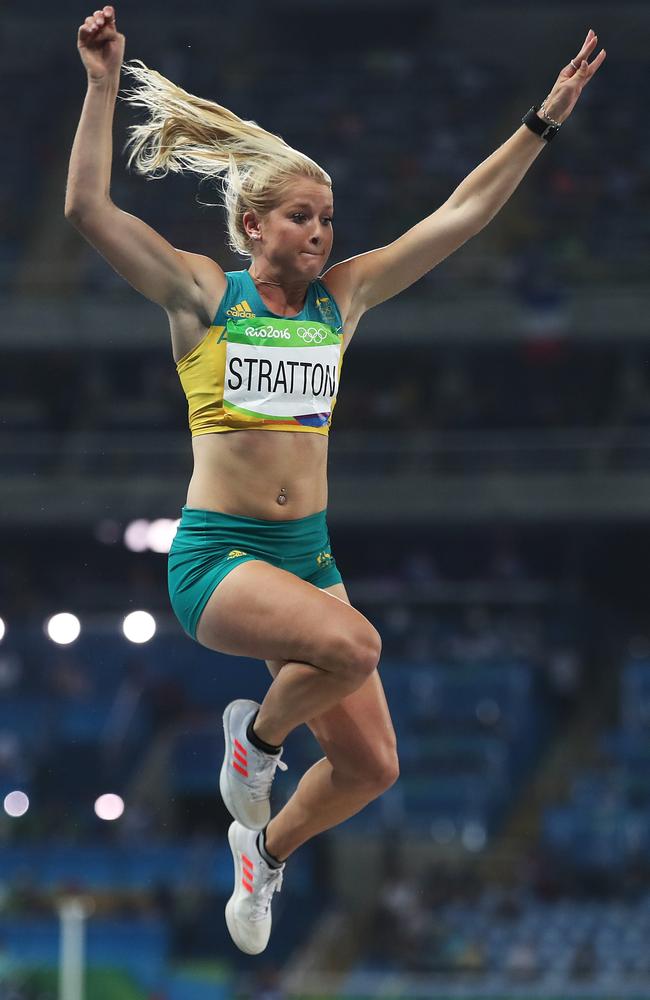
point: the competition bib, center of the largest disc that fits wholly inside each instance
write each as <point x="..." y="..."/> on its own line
<point x="284" y="369"/>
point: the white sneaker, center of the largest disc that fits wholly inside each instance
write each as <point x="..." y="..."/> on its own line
<point x="246" y="773"/>
<point x="248" y="911"/>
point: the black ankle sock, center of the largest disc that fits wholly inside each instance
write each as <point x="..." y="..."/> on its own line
<point x="256" y="741"/>
<point x="271" y="861"/>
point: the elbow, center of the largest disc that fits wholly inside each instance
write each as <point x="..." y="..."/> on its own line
<point x="75" y="210"/>
<point x="78" y="211"/>
<point x="72" y="213"/>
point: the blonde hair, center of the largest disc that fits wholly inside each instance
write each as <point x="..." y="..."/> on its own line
<point x="187" y="134"/>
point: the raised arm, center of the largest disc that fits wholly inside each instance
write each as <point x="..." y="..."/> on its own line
<point x="176" y="280"/>
<point x="370" y="278"/>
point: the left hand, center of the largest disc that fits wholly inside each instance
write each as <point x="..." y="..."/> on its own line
<point x="571" y="82"/>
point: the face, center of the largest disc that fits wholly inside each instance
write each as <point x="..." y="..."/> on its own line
<point x="296" y="237"/>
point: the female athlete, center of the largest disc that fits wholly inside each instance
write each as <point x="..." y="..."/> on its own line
<point x="251" y="571"/>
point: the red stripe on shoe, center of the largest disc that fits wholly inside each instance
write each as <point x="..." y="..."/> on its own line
<point x="239" y="747"/>
<point x="240" y="757"/>
<point x="240" y="769"/>
<point x="247" y="885"/>
<point x="248" y="863"/>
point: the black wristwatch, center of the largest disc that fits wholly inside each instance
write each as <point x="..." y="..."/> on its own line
<point x="544" y="129"/>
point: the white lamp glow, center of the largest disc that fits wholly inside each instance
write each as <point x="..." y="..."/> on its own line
<point x="16" y="804"/>
<point x="139" y="626"/>
<point x="63" y="628"/>
<point x="161" y="534"/>
<point x="135" y="536"/>
<point x="109" y="806"/>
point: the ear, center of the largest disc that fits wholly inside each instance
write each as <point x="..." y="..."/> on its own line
<point x="251" y="225"/>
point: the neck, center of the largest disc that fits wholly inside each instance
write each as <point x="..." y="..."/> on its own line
<point x="290" y="292"/>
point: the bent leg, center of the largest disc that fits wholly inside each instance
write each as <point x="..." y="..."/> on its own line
<point x="358" y="738"/>
<point x="327" y="647"/>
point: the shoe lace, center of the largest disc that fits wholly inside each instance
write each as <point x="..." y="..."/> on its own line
<point x="260" y="783"/>
<point x="269" y="882"/>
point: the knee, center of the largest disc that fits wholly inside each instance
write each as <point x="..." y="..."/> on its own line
<point x="388" y="771"/>
<point x="379" y="772"/>
<point x="358" y="656"/>
<point x="368" y="654"/>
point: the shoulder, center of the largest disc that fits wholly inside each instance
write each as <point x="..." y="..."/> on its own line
<point x="338" y="282"/>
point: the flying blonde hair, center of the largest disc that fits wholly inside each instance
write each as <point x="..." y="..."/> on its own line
<point x="187" y="134"/>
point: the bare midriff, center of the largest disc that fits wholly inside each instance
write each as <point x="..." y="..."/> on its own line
<point x="269" y="475"/>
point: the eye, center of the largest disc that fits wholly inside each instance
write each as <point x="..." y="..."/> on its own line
<point x="328" y="220"/>
<point x="299" y="215"/>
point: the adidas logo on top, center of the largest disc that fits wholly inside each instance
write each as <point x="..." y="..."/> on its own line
<point x="242" y="310"/>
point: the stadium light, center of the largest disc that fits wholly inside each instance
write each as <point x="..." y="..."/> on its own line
<point x="63" y="628"/>
<point x="109" y="806"/>
<point x="161" y="534"/>
<point x="16" y="804"/>
<point x="139" y="626"/>
<point x="135" y="535"/>
<point x="157" y="535"/>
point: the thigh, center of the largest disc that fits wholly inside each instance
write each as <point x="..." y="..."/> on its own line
<point x="261" y="611"/>
<point x="360" y="724"/>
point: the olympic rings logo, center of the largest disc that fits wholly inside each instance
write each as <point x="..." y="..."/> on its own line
<point x="311" y="335"/>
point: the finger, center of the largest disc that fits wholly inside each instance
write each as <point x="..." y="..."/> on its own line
<point x="104" y="18"/>
<point x="94" y="30"/>
<point x="587" y="69"/>
<point x="595" y="65"/>
<point x="588" y="38"/>
<point x="587" y="48"/>
<point x="87" y="29"/>
<point x="591" y="34"/>
<point x="575" y="65"/>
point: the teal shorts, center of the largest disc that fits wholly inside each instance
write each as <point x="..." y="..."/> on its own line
<point x="208" y="544"/>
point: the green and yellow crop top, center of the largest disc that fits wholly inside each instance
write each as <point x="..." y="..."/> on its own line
<point x="256" y="370"/>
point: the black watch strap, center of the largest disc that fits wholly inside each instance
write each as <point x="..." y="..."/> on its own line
<point x="537" y="125"/>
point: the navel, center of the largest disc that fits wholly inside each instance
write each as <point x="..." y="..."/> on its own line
<point x="282" y="497"/>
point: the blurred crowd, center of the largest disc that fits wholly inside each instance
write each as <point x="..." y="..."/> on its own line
<point x="545" y="924"/>
<point x="603" y="394"/>
<point x="395" y="153"/>
<point x="500" y="388"/>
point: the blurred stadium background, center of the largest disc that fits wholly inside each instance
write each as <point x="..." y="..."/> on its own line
<point x="489" y="510"/>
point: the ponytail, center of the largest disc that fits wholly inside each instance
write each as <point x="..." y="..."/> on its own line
<point x="187" y="134"/>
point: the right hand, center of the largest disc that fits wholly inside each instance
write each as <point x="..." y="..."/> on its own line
<point x="100" y="45"/>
